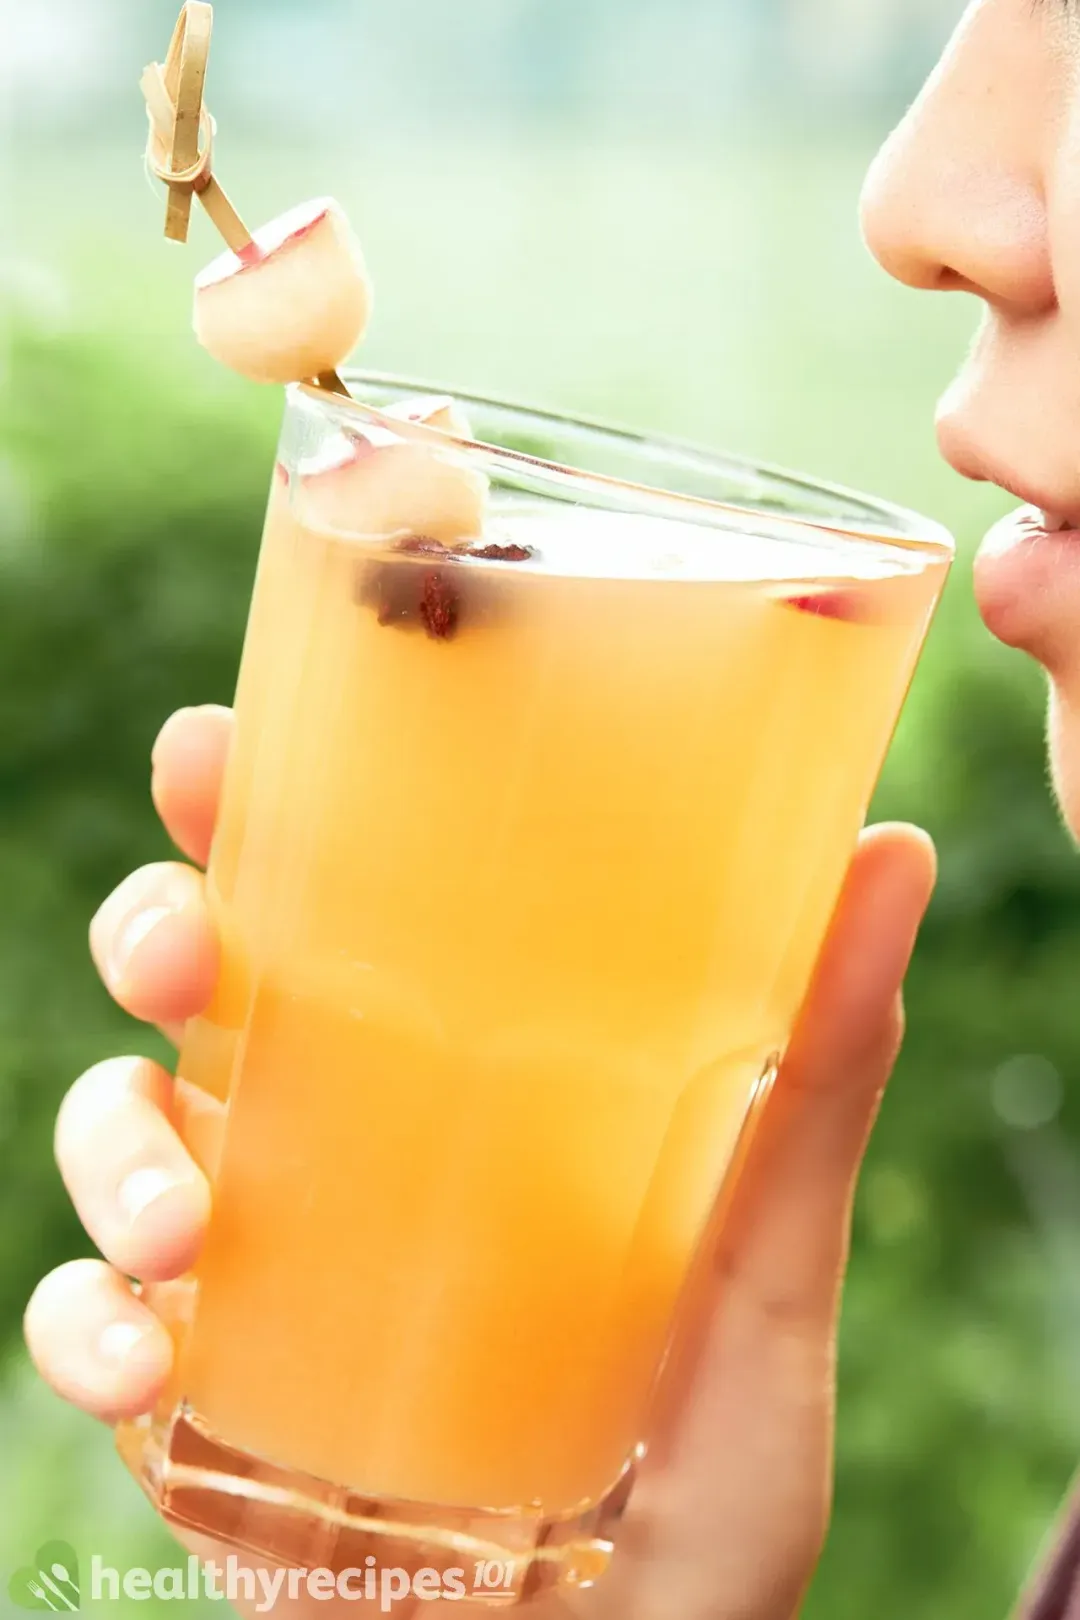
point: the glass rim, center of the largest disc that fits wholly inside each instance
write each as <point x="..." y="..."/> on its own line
<point x="887" y="523"/>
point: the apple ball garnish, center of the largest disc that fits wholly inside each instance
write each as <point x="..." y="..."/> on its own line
<point x="292" y="304"/>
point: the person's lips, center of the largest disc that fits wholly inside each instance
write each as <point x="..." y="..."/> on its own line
<point x="1027" y="582"/>
<point x="1027" y="572"/>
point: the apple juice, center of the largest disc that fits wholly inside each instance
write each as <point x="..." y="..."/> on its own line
<point x="515" y="916"/>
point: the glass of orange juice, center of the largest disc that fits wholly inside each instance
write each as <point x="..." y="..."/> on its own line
<point x="553" y="744"/>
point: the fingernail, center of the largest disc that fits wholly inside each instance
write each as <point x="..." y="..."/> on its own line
<point x="119" y="1340"/>
<point x="142" y="1188"/>
<point x="129" y="915"/>
<point x="131" y="933"/>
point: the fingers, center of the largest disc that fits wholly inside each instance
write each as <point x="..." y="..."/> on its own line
<point x="95" y="1343"/>
<point x="154" y="946"/>
<point x="188" y="764"/>
<point x="152" y="940"/>
<point x="145" y="1204"/>
<point x="135" y="1187"/>
<point x="788" y="1229"/>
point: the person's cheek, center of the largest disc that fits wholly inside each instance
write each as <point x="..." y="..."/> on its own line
<point x="1062" y="192"/>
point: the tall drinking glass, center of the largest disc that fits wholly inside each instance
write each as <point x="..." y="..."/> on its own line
<point x="529" y="842"/>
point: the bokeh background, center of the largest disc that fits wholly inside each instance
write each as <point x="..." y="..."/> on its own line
<point x="638" y="208"/>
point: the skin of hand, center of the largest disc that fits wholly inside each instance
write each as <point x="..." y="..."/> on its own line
<point x="728" y="1516"/>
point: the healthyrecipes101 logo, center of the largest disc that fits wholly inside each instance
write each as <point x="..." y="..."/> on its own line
<point x="50" y="1582"/>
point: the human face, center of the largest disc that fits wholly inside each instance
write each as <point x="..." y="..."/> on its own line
<point x="978" y="191"/>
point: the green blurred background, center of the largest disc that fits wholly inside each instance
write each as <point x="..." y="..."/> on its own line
<point x="638" y="208"/>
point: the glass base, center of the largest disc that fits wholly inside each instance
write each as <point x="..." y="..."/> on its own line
<point x="503" y="1558"/>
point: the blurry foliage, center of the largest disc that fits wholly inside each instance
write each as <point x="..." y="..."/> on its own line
<point x="125" y="573"/>
<point x="132" y="483"/>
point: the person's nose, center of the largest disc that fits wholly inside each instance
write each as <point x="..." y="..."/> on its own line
<point x="955" y="200"/>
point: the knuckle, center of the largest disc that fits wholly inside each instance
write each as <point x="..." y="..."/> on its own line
<point x="55" y="1290"/>
<point x="99" y="1094"/>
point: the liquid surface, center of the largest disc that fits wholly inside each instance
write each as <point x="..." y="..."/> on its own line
<point x="586" y="542"/>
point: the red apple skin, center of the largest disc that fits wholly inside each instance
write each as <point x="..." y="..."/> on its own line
<point x="292" y="304"/>
<point x="848" y="605"/>
<point x="434" y="410"/>
<point x="290" y="227"/>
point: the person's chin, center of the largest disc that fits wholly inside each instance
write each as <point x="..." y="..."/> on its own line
<point x="1063" y="733"/>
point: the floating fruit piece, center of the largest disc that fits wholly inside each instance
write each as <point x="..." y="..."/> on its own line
<point x="290" y="306"/>
<point x="832" y="604"/>
<point x="374" y="486"/>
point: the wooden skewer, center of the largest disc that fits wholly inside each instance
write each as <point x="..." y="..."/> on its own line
<point x="181" y="141"/>
<point x="197" y="179"/>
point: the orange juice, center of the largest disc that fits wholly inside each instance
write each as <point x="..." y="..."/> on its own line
<point x="517" y="909"/>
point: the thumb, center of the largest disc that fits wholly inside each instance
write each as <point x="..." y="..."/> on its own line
<point x="733" y="1499"/>
<point x="786" y="1234"/>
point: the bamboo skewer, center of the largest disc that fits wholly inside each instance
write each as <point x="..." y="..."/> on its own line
<point x="181" y="142"/>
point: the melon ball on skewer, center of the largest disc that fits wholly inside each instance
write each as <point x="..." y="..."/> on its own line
<point x="290" y="306"/>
